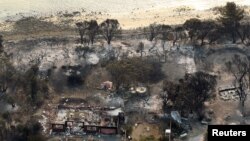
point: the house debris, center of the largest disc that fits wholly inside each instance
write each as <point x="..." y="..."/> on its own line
<point x="138" y="90"/>
<point x="141" y="90"/>
<point x="107" y="85"/>
<point x="228" y="93"/>
<point x="81" y="120"/>
<point x="92" y="59"/>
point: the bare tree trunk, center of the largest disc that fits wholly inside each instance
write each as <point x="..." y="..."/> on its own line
<point x="202" y="42"/>
<point x="109" y="41"/>
<point x="165" y="56"/>
<point x="163" y="45"/>
<point x="92" y="41"/>
<point x="249" y="79"/>
<point x="233" y="37"/>
<point x="81" y="40"/>
<point x="242" y="108"/>
<point x="242" y="36"/>
<point x="174" y="41"/>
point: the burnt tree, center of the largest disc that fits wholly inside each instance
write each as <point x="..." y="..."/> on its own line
<point x="1" y="43"/>
<point x="152" y="31"/>
<point x="140" y="49"/>
<point x="230" y="18"/>
<point x="92" y="30"/>
<point x="82" y="29"/>
<point x="109" y="28"/>
<point x="239" y="68"/>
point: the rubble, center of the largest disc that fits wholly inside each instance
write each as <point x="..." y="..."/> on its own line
<point x="83" y="119"/>
<point x="228" y="93"/>
<point x="92" y="59"/>
<point x="141" y="90"/>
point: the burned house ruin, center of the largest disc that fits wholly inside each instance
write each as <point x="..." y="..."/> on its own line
<point x="81" y="120"/>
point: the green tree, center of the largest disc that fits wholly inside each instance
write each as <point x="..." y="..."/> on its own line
<point x="230" y="18"/>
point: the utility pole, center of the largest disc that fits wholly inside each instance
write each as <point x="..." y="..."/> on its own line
<point x="170" y="131"/>
<point x="125" y="135"/>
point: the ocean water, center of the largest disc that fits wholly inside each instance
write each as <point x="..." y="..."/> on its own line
<point x="13" y="8"/>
